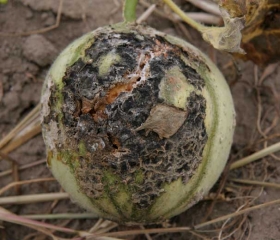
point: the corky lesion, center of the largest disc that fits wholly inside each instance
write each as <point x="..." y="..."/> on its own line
<point x="126" y="125"/>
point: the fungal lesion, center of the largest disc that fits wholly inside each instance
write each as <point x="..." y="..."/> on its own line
<point x="128" y="125"/>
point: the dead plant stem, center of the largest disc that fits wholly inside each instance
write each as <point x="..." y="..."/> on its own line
<point x="33" y="198"/>
<point x="62" y="216"/>
<point x="18" y="183"/>
<point x="20" y="126"/>
<point x="257" y="183"/>
<point x="256" y="156"/>
<point x="26" y="166"/>
<point x="235" y="214"/>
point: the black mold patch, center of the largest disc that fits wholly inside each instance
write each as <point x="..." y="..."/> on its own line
<point x="107" y="129"/>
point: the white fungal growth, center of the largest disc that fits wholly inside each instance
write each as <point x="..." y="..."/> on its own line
<point x="45" y="99"/>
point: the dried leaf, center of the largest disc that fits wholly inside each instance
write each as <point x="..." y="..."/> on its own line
<point x="164" y="120"/>
<point x="261" y="35"/>
<point x="235" y="8"/>
<point x="227" y="38"/>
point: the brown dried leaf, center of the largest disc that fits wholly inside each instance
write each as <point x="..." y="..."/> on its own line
<point x="164" y="120"/>
<point x="227" y="38"/>
<point x="235" y="8"/>
<point x="261" y="35"/>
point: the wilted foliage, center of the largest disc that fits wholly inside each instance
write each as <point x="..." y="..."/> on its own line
<point x="261" y="35"/>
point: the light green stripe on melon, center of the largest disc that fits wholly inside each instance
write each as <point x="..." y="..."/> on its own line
<point x="119" y="193"/>
<point x="105" y="202"/>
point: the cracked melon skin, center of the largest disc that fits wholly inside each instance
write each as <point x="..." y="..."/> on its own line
<point x="137" y="124"/>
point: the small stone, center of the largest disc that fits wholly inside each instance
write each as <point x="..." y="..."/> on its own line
<point x="44" y="16"/>
<point x="6" y="71"/>
<point x="31" y="68"/>
<point x="4" y="55"/>
<point x="30" y="93"/>
<point x="17" y="87"/>
<point x="7" y="50"/>
<point x="49" y="21"/>
<point x="39" y="50"/>
<point x="29" y="14"/>
<point x="11" y="99"/>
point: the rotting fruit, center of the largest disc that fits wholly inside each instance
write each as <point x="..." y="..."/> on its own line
<point x="138" y="124"/>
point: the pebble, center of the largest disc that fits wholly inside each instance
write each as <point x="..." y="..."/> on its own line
<point x="44" y="16"/>
<point x="49" y="21"/>
<point x="11" y="99"/>
<point x="31" y="68"/>
<point x="29" y="14"/>
<point x="39" y="50"/>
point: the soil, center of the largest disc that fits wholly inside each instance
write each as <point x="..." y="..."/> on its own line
<point x="24" y="64"/>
